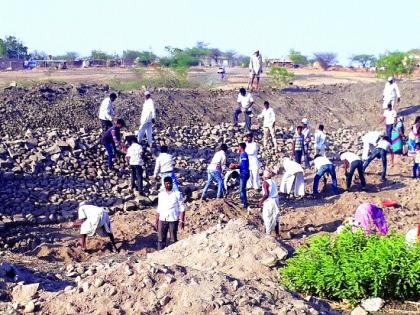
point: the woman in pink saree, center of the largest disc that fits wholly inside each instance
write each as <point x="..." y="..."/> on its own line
<point x="371" y="219"/>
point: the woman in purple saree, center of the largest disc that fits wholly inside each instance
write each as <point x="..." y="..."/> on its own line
<point x="371" y="219"/>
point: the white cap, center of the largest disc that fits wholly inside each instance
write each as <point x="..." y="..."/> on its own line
<point x="390" y="79"/>
<point x="305" y="121"/>
<point x="146" y="93"/>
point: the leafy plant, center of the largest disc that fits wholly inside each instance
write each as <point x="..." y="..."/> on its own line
<point x="297" y="58"/>
<point x="280" y="76"/>
<point x="395" y="64"/>
<point x="364" y="60"/>
<point x="354" y="266"/>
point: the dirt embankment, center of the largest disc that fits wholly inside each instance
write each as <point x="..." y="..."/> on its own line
<point x="68" y="106"/>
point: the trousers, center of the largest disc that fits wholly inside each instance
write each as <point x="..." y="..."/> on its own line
<point x="145" y="128"/>
<point x="378" y="153"/>
<point x="330" y="169"/>
<point x="269" y="131"/>
<point x="247" y="118"/>
<point x="243" y="179"/>
<point x="217" y="177"/>
<point x="163" y="228"/>
<point x="137" y="176"/>
<point x="355" y="165"/>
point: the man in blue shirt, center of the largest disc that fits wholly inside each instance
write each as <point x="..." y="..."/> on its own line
<point x="243" y="166"/>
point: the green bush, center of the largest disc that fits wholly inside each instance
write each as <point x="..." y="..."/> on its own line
<point x="280" y="76"/>
<point x="395" y="64"/>
<point x="354" y="266"/>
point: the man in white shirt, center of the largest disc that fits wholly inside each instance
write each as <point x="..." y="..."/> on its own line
<point x="391" y="93"/>
<point x="170" y="212"/>
<point x="106" y="112"/>
<point x="270" y="204"/>
<point x="214" y="171"/>
<point x="164" y="167"/>
<point x="370" y="140"/>
<point x="324" y="166"/>
<point x="254" y="164"/>
<point x="293" y="180"/>
<point x="268" y="124"/>
<point x="389" y="117"/>
<point x="245" y="102"/>
<point x="134" y="156"/>
<point x="353" y="161"/>
<point x="320" y="141"/>
<point x="307" y="138"/>
<point x="255" y="69"/>
<point x="380" y="152"/>
<point x="147" y="119"/>
<point x="92" y="220"/>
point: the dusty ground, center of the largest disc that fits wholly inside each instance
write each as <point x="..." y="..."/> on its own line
<point x="339" y="105"/>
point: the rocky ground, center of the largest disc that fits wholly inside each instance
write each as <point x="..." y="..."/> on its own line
<point x="50" y="160"/>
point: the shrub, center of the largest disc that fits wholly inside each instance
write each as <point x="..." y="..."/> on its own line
<point x="280" y="75"/>
<point x="395" y="64"/>
<point x="326" y="59"/>
<point x="353" y="266"/>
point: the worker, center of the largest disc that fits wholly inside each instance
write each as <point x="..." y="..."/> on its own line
<point x="106" y="111"/>
<point x="324" y="166"/>
<point x="214" y="171"/>
<point x="352" y="162"/>
<point x="164" y="167"/>
<point x="92" y="220"/>
<point x="269" y="120"/>
<point x="255" y="69"/>
<point x="270" y="204"/>
<point x="254" y="163"/>
<point x="293" y="181"/>
<point x="391" y="93"/>
<point x="147" y="119"/>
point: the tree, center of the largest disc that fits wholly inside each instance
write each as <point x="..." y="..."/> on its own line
<point x="2" y="48"/>
<point x="364" y="60"/>
<point x="38" y="55"/>
<point x="130" y="55"/>
<point x="215" y="54"/>
<point x="297" y="58"/>
<point x="98" y="54"/>
<point x="70" y="55"/>
<point x="15" y="48"/>
<point x="145" y="58"/>
<point x="395" y="64"/>
<point x="326" y="59"/>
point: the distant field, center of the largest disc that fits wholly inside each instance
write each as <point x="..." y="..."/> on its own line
<point x="202" y="77"/>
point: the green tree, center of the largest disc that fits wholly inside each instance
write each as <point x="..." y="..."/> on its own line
<point x="280" y="76"/>
<point x="297" y="58"/>
<point x="395" y="64"/>
<point x="15" y="48"/>
<point x="98" y="54"/>
<point x="130" y="54"/>
<point x="364" y="60"/>
<point x="145" y="58"/>
<point x="2" y="48"/>
<point x="38" y="55"/>
<point x="70" y="55"/>
<point x="326" y="59"/>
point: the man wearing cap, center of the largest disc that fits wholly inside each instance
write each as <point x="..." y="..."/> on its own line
<point x="307" y="138"/>
<point x="106" y="112"/>
<point x="269" y="204"/>
<point x="255" y="69"/>
<point x="391" y="93"/>
<point x="147" y="119"/>
<point x="92" y="220"/>
<point x="293" y="180"/>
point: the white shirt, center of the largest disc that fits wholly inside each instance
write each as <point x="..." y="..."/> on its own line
<point x="321" y="161"/>
<point x="148" y="112"/>
<point x="349" y="157"/>
<point x="391" y="91"/>
<point x="252" y="150"/>
<point x="245" y="101"/>
<point x="164" y="164"/>
<point x="94" y="218"/>
<point x="106" y="112"/>
<point x="134" y="153"/>
<point x="307" y="134"/>
<point x="390" y="116"/>
<point x="170" y="205"/>
<point x="218" y="163"/>
<point x="371" y="137"/>
<point x="292" y="167"/>
<point x="268" y="116"/>
<point x="320" y="139"/>
<point x="383" y="144"/>
<point x="255" y="63"/>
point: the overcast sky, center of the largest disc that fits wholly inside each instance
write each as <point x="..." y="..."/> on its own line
<point x="273" y="26"/>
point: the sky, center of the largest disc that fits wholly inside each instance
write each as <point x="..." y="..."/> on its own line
<point x="272" y="26"/>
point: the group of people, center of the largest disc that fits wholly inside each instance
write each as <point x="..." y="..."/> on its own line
<point x="171" y="209"/>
